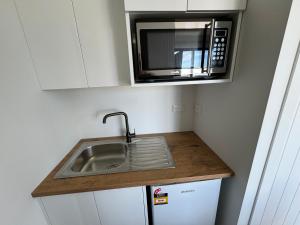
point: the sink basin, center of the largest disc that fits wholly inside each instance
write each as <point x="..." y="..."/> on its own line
<point x="100" y="157"/>
<point x="106" y="157"/>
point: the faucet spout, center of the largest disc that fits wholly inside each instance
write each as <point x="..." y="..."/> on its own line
<point x="129" y="135"/>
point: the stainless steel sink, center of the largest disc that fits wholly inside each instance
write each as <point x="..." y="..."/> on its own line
<point x="100" y="157"/>
<point x="105" y="157"/>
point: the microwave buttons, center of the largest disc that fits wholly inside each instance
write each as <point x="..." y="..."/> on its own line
<point x="218" y="52"/>
<point x="219" y="48"/>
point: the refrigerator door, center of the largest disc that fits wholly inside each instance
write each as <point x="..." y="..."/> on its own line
<point x="192" y="203"/>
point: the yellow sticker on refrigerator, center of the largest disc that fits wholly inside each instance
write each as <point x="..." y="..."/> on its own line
<point x="160" y="198"/>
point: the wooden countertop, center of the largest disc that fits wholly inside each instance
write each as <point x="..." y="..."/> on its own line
<point x="194" y="160"/>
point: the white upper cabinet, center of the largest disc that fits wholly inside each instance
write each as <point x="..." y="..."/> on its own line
<point x="51" y="33"/>
<point x="198" y="5"/>
<point x="155" y="5"/>
<point x="71" y="209"/>
<point x="102" y="33"/>
<point x="76" y="43"/>
<point x="126" y="206"/>
<point x="184" y="5"/>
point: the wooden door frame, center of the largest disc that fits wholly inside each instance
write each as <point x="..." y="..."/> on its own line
<point x="279" y="89"/>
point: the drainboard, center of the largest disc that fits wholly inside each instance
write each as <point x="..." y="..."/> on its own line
<point x="106" y="157"/>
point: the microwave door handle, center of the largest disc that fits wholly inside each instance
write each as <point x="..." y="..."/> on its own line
<point x="207" y="70"/>
<point x="211" y="46"/>
<point x="203" y="49"/>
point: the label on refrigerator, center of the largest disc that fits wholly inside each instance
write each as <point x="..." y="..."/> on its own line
<point x="160" y="198"/>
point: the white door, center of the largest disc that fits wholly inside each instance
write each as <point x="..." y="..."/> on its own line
<point x="278" y="199"/>
<point x="197" y="5"/>
<point x="71" y="209"/>
<point x="102" y="32"/>
<point x="125" y="206"/>
<point x="193" y="203"/>
<point x="51" y="33"/>
<point x="155" y="5"/>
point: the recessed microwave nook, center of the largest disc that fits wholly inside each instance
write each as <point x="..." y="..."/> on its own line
<point x="182" y="50"/>
<point x="186" y="48"/>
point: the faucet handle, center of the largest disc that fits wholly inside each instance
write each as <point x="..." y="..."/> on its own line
<point x="133" y="134"/>
<point x="129" y="136"/>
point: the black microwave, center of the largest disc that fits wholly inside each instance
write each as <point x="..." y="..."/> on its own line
<point x="175" y="50"/>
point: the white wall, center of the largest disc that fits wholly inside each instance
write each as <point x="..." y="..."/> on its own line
<point x="230" y="115"/>
<point x="37" y="128"/>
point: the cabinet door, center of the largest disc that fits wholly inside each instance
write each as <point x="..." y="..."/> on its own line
<point x="198" y="5"/>
<point x="102" y="32"/>
<point x="126" y="206"/>
<point x="155" y="5"/>
<point x="71" y="209"/>
<point x="52" y="37"/>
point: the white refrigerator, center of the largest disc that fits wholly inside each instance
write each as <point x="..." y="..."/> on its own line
<point x="192" y="203"/>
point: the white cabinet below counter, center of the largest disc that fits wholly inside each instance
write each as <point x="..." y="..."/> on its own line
<point x="70" y="209"/>
<point x="126" y="206"/>
<point x="76" y="44"/>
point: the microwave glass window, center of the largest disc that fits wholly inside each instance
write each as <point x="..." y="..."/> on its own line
<point x="187" y="58"/>
<point x="174" y="49"/>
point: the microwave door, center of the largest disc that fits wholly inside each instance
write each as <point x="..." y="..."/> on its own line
<point x="173" y="48"/>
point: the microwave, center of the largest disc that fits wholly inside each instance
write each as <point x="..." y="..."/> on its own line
<point x="176" y="50"/>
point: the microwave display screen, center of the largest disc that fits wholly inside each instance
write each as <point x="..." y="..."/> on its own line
<point x="220" y="33"/>
<point x="163" y="49"/>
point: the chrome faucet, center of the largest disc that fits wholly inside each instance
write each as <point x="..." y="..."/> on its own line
<point x="129" y="135"/>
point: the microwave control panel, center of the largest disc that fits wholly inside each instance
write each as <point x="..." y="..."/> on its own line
<point x="219" y="48"/>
